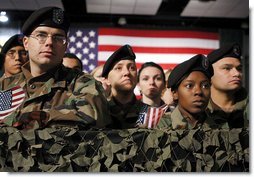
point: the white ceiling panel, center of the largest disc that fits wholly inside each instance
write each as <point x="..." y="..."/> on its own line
<point x="126" y="3"/>
<point x="147" y="7"/>
<point x="98" y="2"/>
<point x="145" y="10"/>
<point x="98" y="6"/>
<point x="217" y="8"/>
<point x="134" y="7"/>
<point x="95" y="8"/>
<point x="122" y="7"/>
<point x="121" y="10"/>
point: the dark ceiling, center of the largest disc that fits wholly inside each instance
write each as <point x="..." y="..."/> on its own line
<point x="167" y="16"/>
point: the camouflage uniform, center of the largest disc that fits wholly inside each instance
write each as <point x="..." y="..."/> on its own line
<point x="125" y="116"/>
<point x="175" y="120"/>
<point x="61" y="95"/>
<point x="238" y="118"/>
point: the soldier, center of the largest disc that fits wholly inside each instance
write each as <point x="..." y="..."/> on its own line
<point x="228" y="97"/>
<point x="70" y="60"/>
<point x="120" y="72"/>
<point x="14" y="56"/>
<point x="151" y="82"/>
<point x="49" y="93"/>
<point x="190" y="85"/>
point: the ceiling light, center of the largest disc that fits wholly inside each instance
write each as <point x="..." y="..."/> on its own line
<point x="3" y="17"/>
<point x="122" y="21"/>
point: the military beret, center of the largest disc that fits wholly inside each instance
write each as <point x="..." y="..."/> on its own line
<point x="46" y="16"/>
<point x="123" y="53"/>
<point x="16" y="40"/>
<point x="197" y="63"/>
<point x="231" y="50"/>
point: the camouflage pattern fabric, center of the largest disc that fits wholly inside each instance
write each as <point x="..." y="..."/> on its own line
<point x="61" y="94"/>
<point x="175" y="120"/>
<point x="67" y="149"/>
<point x="238" y="118"/>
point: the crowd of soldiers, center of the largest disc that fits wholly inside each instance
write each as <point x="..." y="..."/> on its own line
<point x="38" y="89"/>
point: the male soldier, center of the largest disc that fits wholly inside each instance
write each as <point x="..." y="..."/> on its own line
<point x="14" y="56"/>
<point x="228" y="97"/>
<point x="70" y="60"/>
<point x="49" y="93"/>
<point x="120" y="72"/>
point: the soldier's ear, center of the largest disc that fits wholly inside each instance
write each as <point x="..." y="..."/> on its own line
<point x="25" y="42"/>
<point x="175" y="94"/>
<point x="105" y="80"/>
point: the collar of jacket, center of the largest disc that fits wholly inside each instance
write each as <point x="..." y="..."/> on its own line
<point x="53" y="78"/>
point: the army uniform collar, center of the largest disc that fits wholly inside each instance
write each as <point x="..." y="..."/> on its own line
<point x="181" y="122"/>
<point x="50" y="76"/>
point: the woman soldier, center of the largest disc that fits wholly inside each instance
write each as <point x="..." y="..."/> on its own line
<point x="190" y="85"/>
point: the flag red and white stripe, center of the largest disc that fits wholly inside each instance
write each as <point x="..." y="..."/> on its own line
<point x="10" y="100"/>
<point x="154" y="115"/>
<point x="164" y="47"/>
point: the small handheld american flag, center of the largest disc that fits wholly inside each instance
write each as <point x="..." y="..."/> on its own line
<point x="149" y="117"/>
<point x="10" y="100"/>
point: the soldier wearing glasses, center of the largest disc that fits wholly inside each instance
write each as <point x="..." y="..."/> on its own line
<point x="13" y="56"/>
<point x="49" y="93"/>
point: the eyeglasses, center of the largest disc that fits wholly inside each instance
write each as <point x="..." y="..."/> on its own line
<point x="12" y="53"/>
<point x="41" y="37"/>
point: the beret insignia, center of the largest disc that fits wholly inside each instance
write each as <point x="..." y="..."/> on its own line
<point x="58" y="16"/>
<point x="205" y="63"/>
<point x="236" y="50"/>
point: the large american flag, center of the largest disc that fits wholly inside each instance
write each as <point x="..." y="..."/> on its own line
<point x="165" y="47"/>
<point x="10" y="100"/>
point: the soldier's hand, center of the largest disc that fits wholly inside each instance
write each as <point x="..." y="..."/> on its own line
<point x="29" y="119"/>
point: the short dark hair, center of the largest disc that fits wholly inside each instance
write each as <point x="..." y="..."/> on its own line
<point x="72" y="55"/>
<point x="151" y="64"/>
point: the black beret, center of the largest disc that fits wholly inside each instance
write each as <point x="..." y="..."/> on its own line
<point x="46" y="16"/>
<point x="123" y="53"/>
<point x="197" y="63"/>
<point x="230" y="50"/>
<point x="16" y="40"/>
<point x="70" y="55"/>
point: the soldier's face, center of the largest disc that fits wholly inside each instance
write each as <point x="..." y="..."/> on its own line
<point x="14" y="59"/>
<point x="227" y="74"/>
<point x="123" y="76"/>
<point x="45" y="54"/>
<point x="151" y="82"/>
<point x="193" y="93"/>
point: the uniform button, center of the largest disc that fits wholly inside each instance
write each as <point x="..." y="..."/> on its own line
<point x="32" y="86"/>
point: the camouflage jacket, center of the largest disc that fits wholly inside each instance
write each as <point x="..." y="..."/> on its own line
<point x="125" y="116"/>
<point x="175" y="120"/>
<point x="238" y="118"/>
<point x="60" y="95"/>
